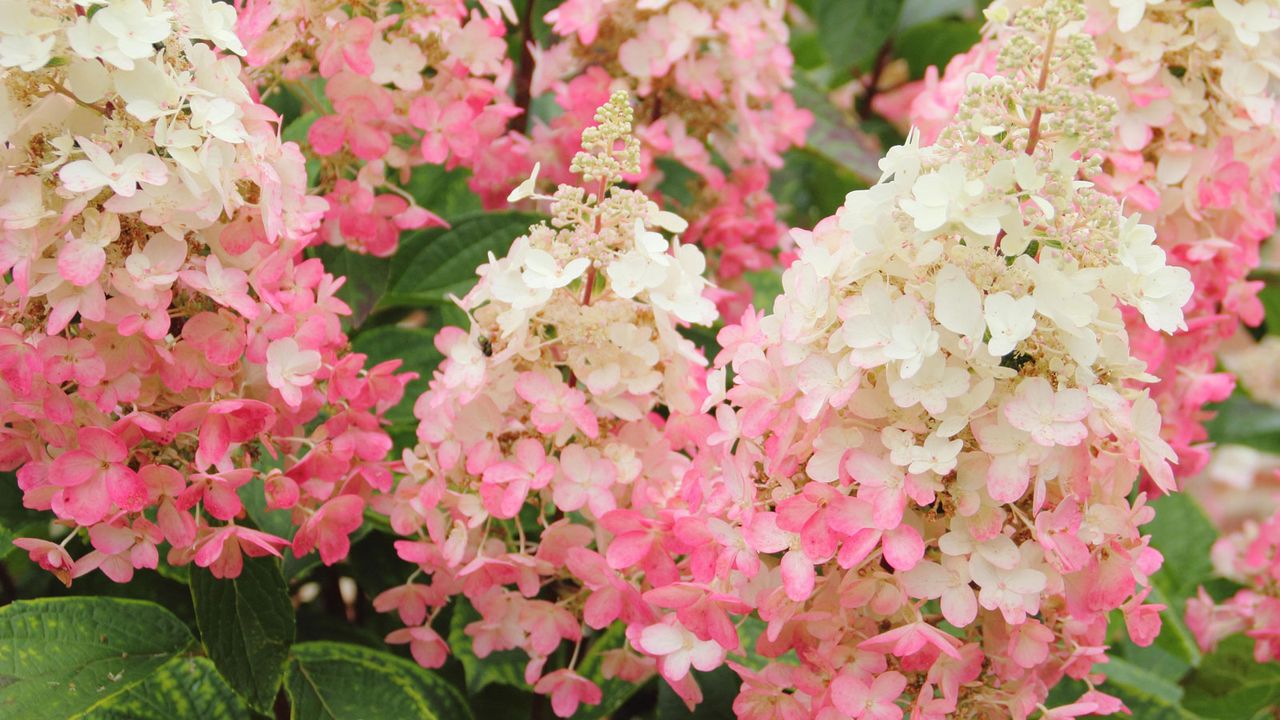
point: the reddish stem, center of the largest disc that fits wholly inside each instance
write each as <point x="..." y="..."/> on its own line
<point x="588" y="284"/>
<point x="1034" y="137"/>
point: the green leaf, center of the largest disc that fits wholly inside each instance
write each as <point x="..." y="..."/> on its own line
<point x="1269" y="296"/>
<point x="835" y="137"/>
<point x="60" y="657"/>
<point x="1149" y="696"/>
<point x="15" y="520"/>
<point x="704" y="338"/>
<point x="184" y="687"/>
<point x="504" y="667"/>
<point x="935" y="43"/>
<point x="253" y="496"/>
<point x="411" y="244"/>
<point x="246" y="625"/>
<point x="148" y="587"/>
<point x="853" y="31"/>
<point x="1242" y="421"/>
<point x="7" y="536"/>
<point x="443" y="192"/>
<point x="1230" y="685"/>
<point x="1184" y="535"/>
<point x="415" y="346"/>
<point x="297" y="130"/>
<point x="807" y="50"/>
<point x="680" y="185"/>
<point x="338" y="681"/>
<point x="918" y="12"/>
<point x="810" y="187"/>
<point x="750" y="631"/>
<point x="447" y="263"/>
<point x="1171" y="665"/>
<point x="1127" y="675"/>
<point x="767" y="285"/>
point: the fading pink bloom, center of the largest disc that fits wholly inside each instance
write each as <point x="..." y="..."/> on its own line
<point x="410" y="601"/>
<point x="555" y="402"/>
<point x="347" y="46"/>
<point x="568" y="690"/>
<point x="330" y="528"/>
<point x="227" y="286"/>
<point x="101" y="170"/>
<point x="677" y="649"/>
<point x="221" y="549"/>
<point x="507" y="483"/>
<point x="118" y="550"/>
<point x="425" y="644"/>
<point x="910" y="638"/>
<point x="446" y="130"/>
<point x="222" y="424"/>
<point x="875" y="701"/>
<point x="584" y="480"/>
<point x="51" y="557"/>
<point x="948" y="582"/>
<point x="290" y="369"/>
<point x="1051" y="417"/>
<point x="94" y="476"/>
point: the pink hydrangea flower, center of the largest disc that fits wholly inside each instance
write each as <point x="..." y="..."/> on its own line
<point x="178" y="330"/>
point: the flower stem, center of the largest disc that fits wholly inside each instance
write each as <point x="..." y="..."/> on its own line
<point x="62" y="90"/>
<point x="1034" y="137"/>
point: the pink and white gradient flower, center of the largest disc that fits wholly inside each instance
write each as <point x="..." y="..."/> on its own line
<point x="162" y="330"/>
<point x="711" y="81"/>
<point x="1196" y="156"/>
<point x="542" y="459"/>
<point x="402" y="88"/>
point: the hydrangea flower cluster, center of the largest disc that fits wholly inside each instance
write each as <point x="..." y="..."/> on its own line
<point x="161" y="338"/>
<point x="408" y="84"/>
<point x="544" y="472"/>
<point x="1240" y="491"/>
<point x="711" y="78"/>
<point x="1251" y="557"/>
<point x="1196" y="153"/>
<point x="930" y="447"/>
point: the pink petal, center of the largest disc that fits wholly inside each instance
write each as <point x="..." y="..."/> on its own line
<point x="110" y="539"/>
<point x="326" y="134"/>
<point x="126" y="489"/>
<point x="798" y="576"/>
<point x="903" y="547"/>
<point x="80" y="263"/>
<point x="74" y="468"/>
<point x="661" y="639"/>
<point x="849" y="694"/>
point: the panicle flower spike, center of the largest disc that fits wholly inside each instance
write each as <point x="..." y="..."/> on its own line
<point x="558" y="427"/>
<point x="1194" y="143"/>
<point x="167" y="334"/>
<point x="710" y="84"/>
<point x="942" y="400"/>
<point x="394" y="87"/>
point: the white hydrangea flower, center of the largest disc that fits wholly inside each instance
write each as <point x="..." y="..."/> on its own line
<point x="1010" y="320"/>
<point x="595" y="291"/>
